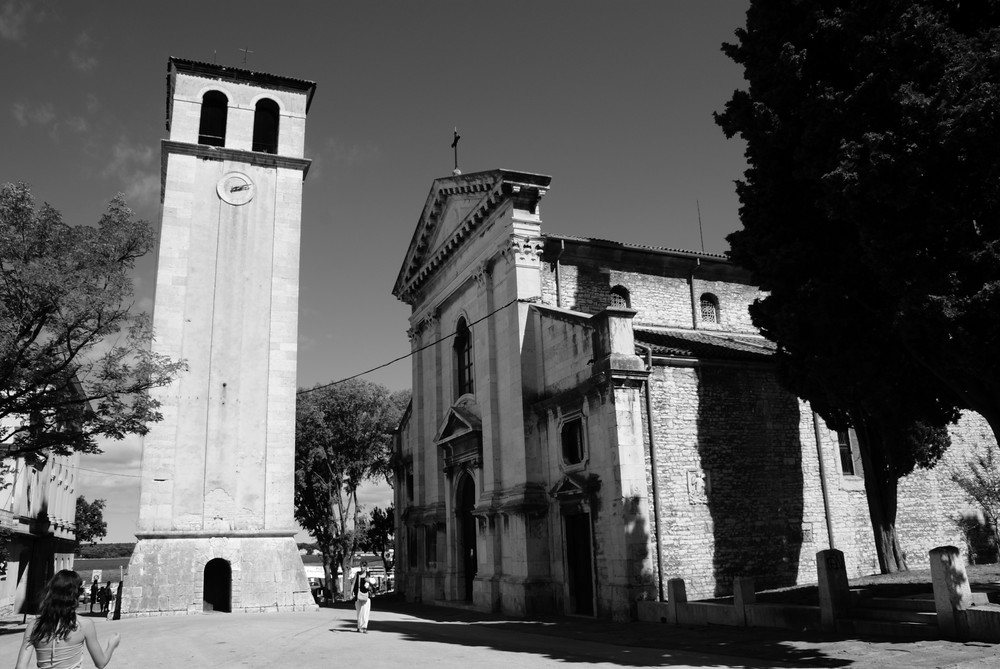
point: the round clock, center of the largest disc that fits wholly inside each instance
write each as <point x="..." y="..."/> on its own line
<point x="235" y="188"/>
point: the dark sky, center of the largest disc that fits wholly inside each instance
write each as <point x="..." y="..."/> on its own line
<point x="614" y="100"/>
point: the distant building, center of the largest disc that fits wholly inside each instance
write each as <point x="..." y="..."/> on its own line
<point x="591" y="418"/>
<point x="38" y="503"/>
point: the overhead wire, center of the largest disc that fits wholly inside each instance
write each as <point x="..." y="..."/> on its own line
<point x="403" y="357"/>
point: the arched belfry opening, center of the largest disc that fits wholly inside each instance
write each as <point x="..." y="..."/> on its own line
<point x="465" y="502"/>
<point x="265" y="126"/>
<point x="218" y="587"/>
<point x="214" y="112"/>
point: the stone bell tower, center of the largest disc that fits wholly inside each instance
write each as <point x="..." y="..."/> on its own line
<point x="216" y="529"/>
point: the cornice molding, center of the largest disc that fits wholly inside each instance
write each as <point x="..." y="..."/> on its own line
<point x="221" y="153"/>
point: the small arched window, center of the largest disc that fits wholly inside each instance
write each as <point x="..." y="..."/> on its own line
<point x="463" y="359"/>
<point x="214" y="110"/>
<point x="709" y="308"/>
<point x="265" y="126"/>
<point x="619" y="298"/>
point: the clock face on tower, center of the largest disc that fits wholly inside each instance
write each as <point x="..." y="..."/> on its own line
<point x="235" y="188"/>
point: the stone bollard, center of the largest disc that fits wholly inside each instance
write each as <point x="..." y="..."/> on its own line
<point x="676" y="595"/>
<point x="951" y="590"/>
<point x="834" y="591"/>
<point x="743" y="596"/>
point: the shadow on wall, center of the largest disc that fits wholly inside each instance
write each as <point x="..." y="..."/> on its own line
<point x="593" y="289"/>
<point x="751" y="454"/>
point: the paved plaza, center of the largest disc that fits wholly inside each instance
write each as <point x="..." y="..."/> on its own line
<point x="415" y="636"/>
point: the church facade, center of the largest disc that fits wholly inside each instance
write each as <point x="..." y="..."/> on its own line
<point x="591" y="418"/>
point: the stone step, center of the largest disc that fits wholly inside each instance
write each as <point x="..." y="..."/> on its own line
<point x="897" y="604"/>
<point x="895" y="614"/>
<point x="883" y="628"/>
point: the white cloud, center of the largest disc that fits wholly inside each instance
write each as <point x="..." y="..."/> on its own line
<point x="13" y="19"/>
<point x="79" y="54"/>
<point x="353" y="153"/>
<point x="77" y="124"/>
<point x="92" y="104"/>
<point x="137" y="168"/>
<point x="26" y="114"/>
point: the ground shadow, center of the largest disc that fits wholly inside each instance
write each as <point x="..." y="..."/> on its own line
<point x="590" y="640"/>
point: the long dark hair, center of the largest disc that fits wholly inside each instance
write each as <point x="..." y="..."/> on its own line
<point x="57" y="612"/>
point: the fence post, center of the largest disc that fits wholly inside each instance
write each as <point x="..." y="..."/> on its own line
<point x="676" y="597"/>
<point x="951" y="590"/>
<point x="834" y="591"/>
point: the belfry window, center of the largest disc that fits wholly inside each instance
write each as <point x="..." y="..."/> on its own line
<point x="571" y="436"/>
<point x="214" y="110"/>
<point x="709" y="308"/>
<point x="265" y="126"/>
<point x="463" y="359"/>
<point x="619" y="298"/>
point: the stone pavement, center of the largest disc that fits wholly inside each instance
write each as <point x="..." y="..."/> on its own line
<point x="417" y="636"/>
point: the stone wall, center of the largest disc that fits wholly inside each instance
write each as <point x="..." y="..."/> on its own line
<point x="658" y="300"/>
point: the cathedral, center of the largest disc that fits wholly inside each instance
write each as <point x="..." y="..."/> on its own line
<point x="592" y="418"/>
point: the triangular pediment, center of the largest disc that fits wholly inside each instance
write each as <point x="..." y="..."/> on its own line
<point x="573" y="486"/>
<point x="457" y="206"/>
<point x="461" y="419"/>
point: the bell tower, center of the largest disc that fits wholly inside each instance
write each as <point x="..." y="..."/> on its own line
<point x="216" y="529"/>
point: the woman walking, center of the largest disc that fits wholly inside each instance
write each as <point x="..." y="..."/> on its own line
<point x="362" y="597"/>
<point x="57" y="636"/>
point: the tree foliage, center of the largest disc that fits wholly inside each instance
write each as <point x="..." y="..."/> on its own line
<point x="75" y="363"/>
<point x="380" y="535"/>
<point x="90" y="524"/>
<point x="343" y="437"/>
<point x="981" y="484"/>
<point x="869" y="211"/>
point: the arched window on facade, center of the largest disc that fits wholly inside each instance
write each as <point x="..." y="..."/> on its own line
<point x="214" y="110"/>
<point x="619" y="298"/>
<point x="709" y="308"/>
<point x="265" y="126"/>
<point x="463" y="359"/>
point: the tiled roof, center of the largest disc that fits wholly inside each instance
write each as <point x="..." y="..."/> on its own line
<point x="638" y="247"/>
<point x="705" y="344"/>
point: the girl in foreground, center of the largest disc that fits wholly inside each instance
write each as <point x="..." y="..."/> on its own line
<point x="57" y="636"/>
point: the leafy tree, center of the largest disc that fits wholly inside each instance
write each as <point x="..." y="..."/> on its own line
<point x="343" y="437"/>
<point x="380" y="534"/>
<point x="90" y="525"/>
<point x="75" y="364"/>
<point x="870" y="216"/>
<point x="981" y="484"/>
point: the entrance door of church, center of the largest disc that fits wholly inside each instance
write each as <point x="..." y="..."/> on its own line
<point x="467" y="528"/>
<point x="218" y="586"/>
<point x="579" y="564"/>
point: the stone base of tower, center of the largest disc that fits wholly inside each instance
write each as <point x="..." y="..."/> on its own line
<point x="190" y="575"/>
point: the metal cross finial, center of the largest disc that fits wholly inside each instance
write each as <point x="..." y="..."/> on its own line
<point x="245" y="52"/>
<point x="454" y="145"/>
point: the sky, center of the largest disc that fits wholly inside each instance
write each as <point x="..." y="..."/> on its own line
<point x="613" y="100"/>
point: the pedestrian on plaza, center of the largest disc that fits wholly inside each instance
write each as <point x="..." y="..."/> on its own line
<point x="94" y="590"/>
<point x="57" y="636"/>
<point x="363" y="592"/>
<point x="106" y="597"/>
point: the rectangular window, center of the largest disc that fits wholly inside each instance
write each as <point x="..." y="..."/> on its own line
<point x="411" y="546"/>
<point x="845" y="443"/>
<point x="572" y="441"/>
<point x="430" y="547"/>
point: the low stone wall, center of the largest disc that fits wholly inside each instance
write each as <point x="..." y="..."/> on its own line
<point x="784" y="616"/>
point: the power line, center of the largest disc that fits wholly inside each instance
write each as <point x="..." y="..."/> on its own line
<point x="98" y="471"/>
<point x="404" y="357"/>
